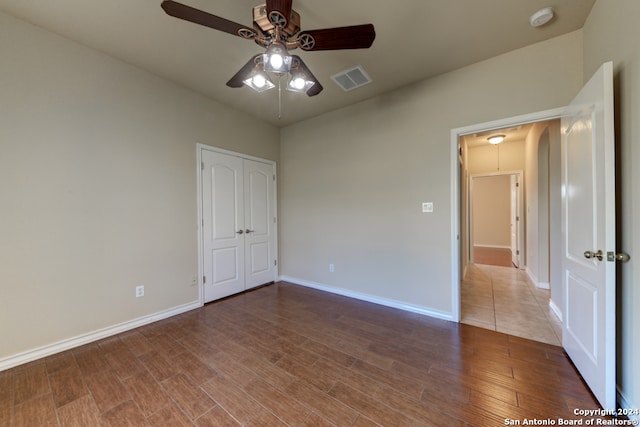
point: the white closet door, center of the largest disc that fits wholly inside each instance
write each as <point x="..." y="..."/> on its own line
<point x="223" y="225"/>
<point x="238" y="224"/>
<point x="259" y="214"/>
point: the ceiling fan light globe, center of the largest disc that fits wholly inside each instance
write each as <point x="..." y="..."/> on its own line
<point x="259" y="80"/>
<point x="276" y="61"/>
<point x="298" y="83"/>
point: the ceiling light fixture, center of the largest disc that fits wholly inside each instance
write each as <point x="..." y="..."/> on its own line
<point x="541" y="17"/>
<point x="255" y="77"/>
<point x="257" y="73"/>
<point x="496" y="139"/>
<point x="276" y="59"/>
<point x="259" y="82"/>
<point x="300" y="81"/>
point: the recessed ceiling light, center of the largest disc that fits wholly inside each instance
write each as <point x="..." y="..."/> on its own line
<point x="541" y="17"/>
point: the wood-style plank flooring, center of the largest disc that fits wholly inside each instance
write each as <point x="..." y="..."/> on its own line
<point x="288" y="355"/>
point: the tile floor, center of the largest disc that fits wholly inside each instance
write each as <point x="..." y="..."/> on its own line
<point x="503" y="300"/>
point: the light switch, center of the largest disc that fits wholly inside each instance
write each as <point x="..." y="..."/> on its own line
<point x="427" y="207"/>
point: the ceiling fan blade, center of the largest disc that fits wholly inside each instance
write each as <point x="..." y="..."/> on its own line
<point x="353" y="37"/>
<point x="279" y="12"/>
<point x="188" y="13"/>
<point x="317" y="87"/>
<point x="244" y="73"/>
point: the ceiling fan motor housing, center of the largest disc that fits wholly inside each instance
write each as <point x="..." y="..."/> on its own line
<point x="262" y="22"/>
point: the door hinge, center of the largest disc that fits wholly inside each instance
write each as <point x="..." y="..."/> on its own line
<point x="274" y="177"/>
<point x="517" y="184"/>
<point x="202" y="166"/>
<point x="517" y="252"/>
<point x="204" y="279"/>
<point x="517" y="218"/>
<point x="275" y="262"/>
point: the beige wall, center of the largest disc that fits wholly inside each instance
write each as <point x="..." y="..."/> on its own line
<point x="492" y="211"/>
<point x="505" y="157"/>
<point x="541" y="138"/>
<point x="97" y="187"/>
<point x="612" y="34"/>
<point x="352" y="181"/>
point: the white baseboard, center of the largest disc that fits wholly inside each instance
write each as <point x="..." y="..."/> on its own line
<point x="57" y="347"/>
<point x="555" y="309"/>
<point x="480" y="245"/>
<point x="625" y="404"/>
<point x="534" y="280"/>
<point x="543" y="285"/>
<point x="370" y="298"/>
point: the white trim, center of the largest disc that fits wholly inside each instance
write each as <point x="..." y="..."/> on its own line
<point x="57" y="347"/>
<point x="455" y="186"/>
<point x="555" y="309"/>
<point x="534" y="280"/>
<point x="370" y="298"/>
<point x="520" y="209"/>
<point x="199" y="148"/>
<point x="200" y="220"/>
<point x="625" y="404"/>
<point x="492" y="246"/>
<point x="456" y="260"/>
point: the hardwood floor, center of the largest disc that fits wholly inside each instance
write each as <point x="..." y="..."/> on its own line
<point x="288" y="355"/>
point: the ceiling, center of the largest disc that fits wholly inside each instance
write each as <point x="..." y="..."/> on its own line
<point x="415" y="40"/>
<point x="512" y="134"/>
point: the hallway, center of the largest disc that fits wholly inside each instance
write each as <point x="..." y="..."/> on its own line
<point x="502" y="299"/>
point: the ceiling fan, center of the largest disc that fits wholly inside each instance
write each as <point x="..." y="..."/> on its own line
<point x="276" y="26"/>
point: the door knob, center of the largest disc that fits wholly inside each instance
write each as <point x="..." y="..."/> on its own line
<point x="239" y="232"/>
<point x="622" y="257"/>
<point x="590" y="254"/>
<point x="248" y="231"/>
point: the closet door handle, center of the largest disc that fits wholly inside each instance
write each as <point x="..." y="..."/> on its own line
<point x="249" y="231"/>
<point x="591" y="254"/>
<point x="239" y="231"/>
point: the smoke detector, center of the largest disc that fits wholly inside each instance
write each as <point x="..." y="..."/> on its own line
<point x="541" y="17"/>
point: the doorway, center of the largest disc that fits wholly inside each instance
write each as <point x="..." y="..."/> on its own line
<point x="495" y="226"/>
<point x="504" y="298"/>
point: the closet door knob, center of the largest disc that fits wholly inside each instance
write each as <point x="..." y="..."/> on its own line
<point x="590" y="254"/>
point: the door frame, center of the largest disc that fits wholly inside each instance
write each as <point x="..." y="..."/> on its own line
<point x="519" y="209"/>
<point x="199" y="149"/>
<point x="456" y="134"/>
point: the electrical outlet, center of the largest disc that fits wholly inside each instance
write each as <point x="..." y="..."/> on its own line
<point x="139" y="291"/>
<point x="194" y="281"/>
<point x="331" y="268"/>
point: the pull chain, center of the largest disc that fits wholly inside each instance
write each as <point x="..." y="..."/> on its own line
<point x="279" y="96"/>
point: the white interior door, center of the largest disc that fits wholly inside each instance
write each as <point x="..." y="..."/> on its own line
<point x="238" y="224"/>
<point x="223" y="225"/>
<point x="515" y="251"/>
<point x="588" y="222"/>
<point x="259" y="214"/>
